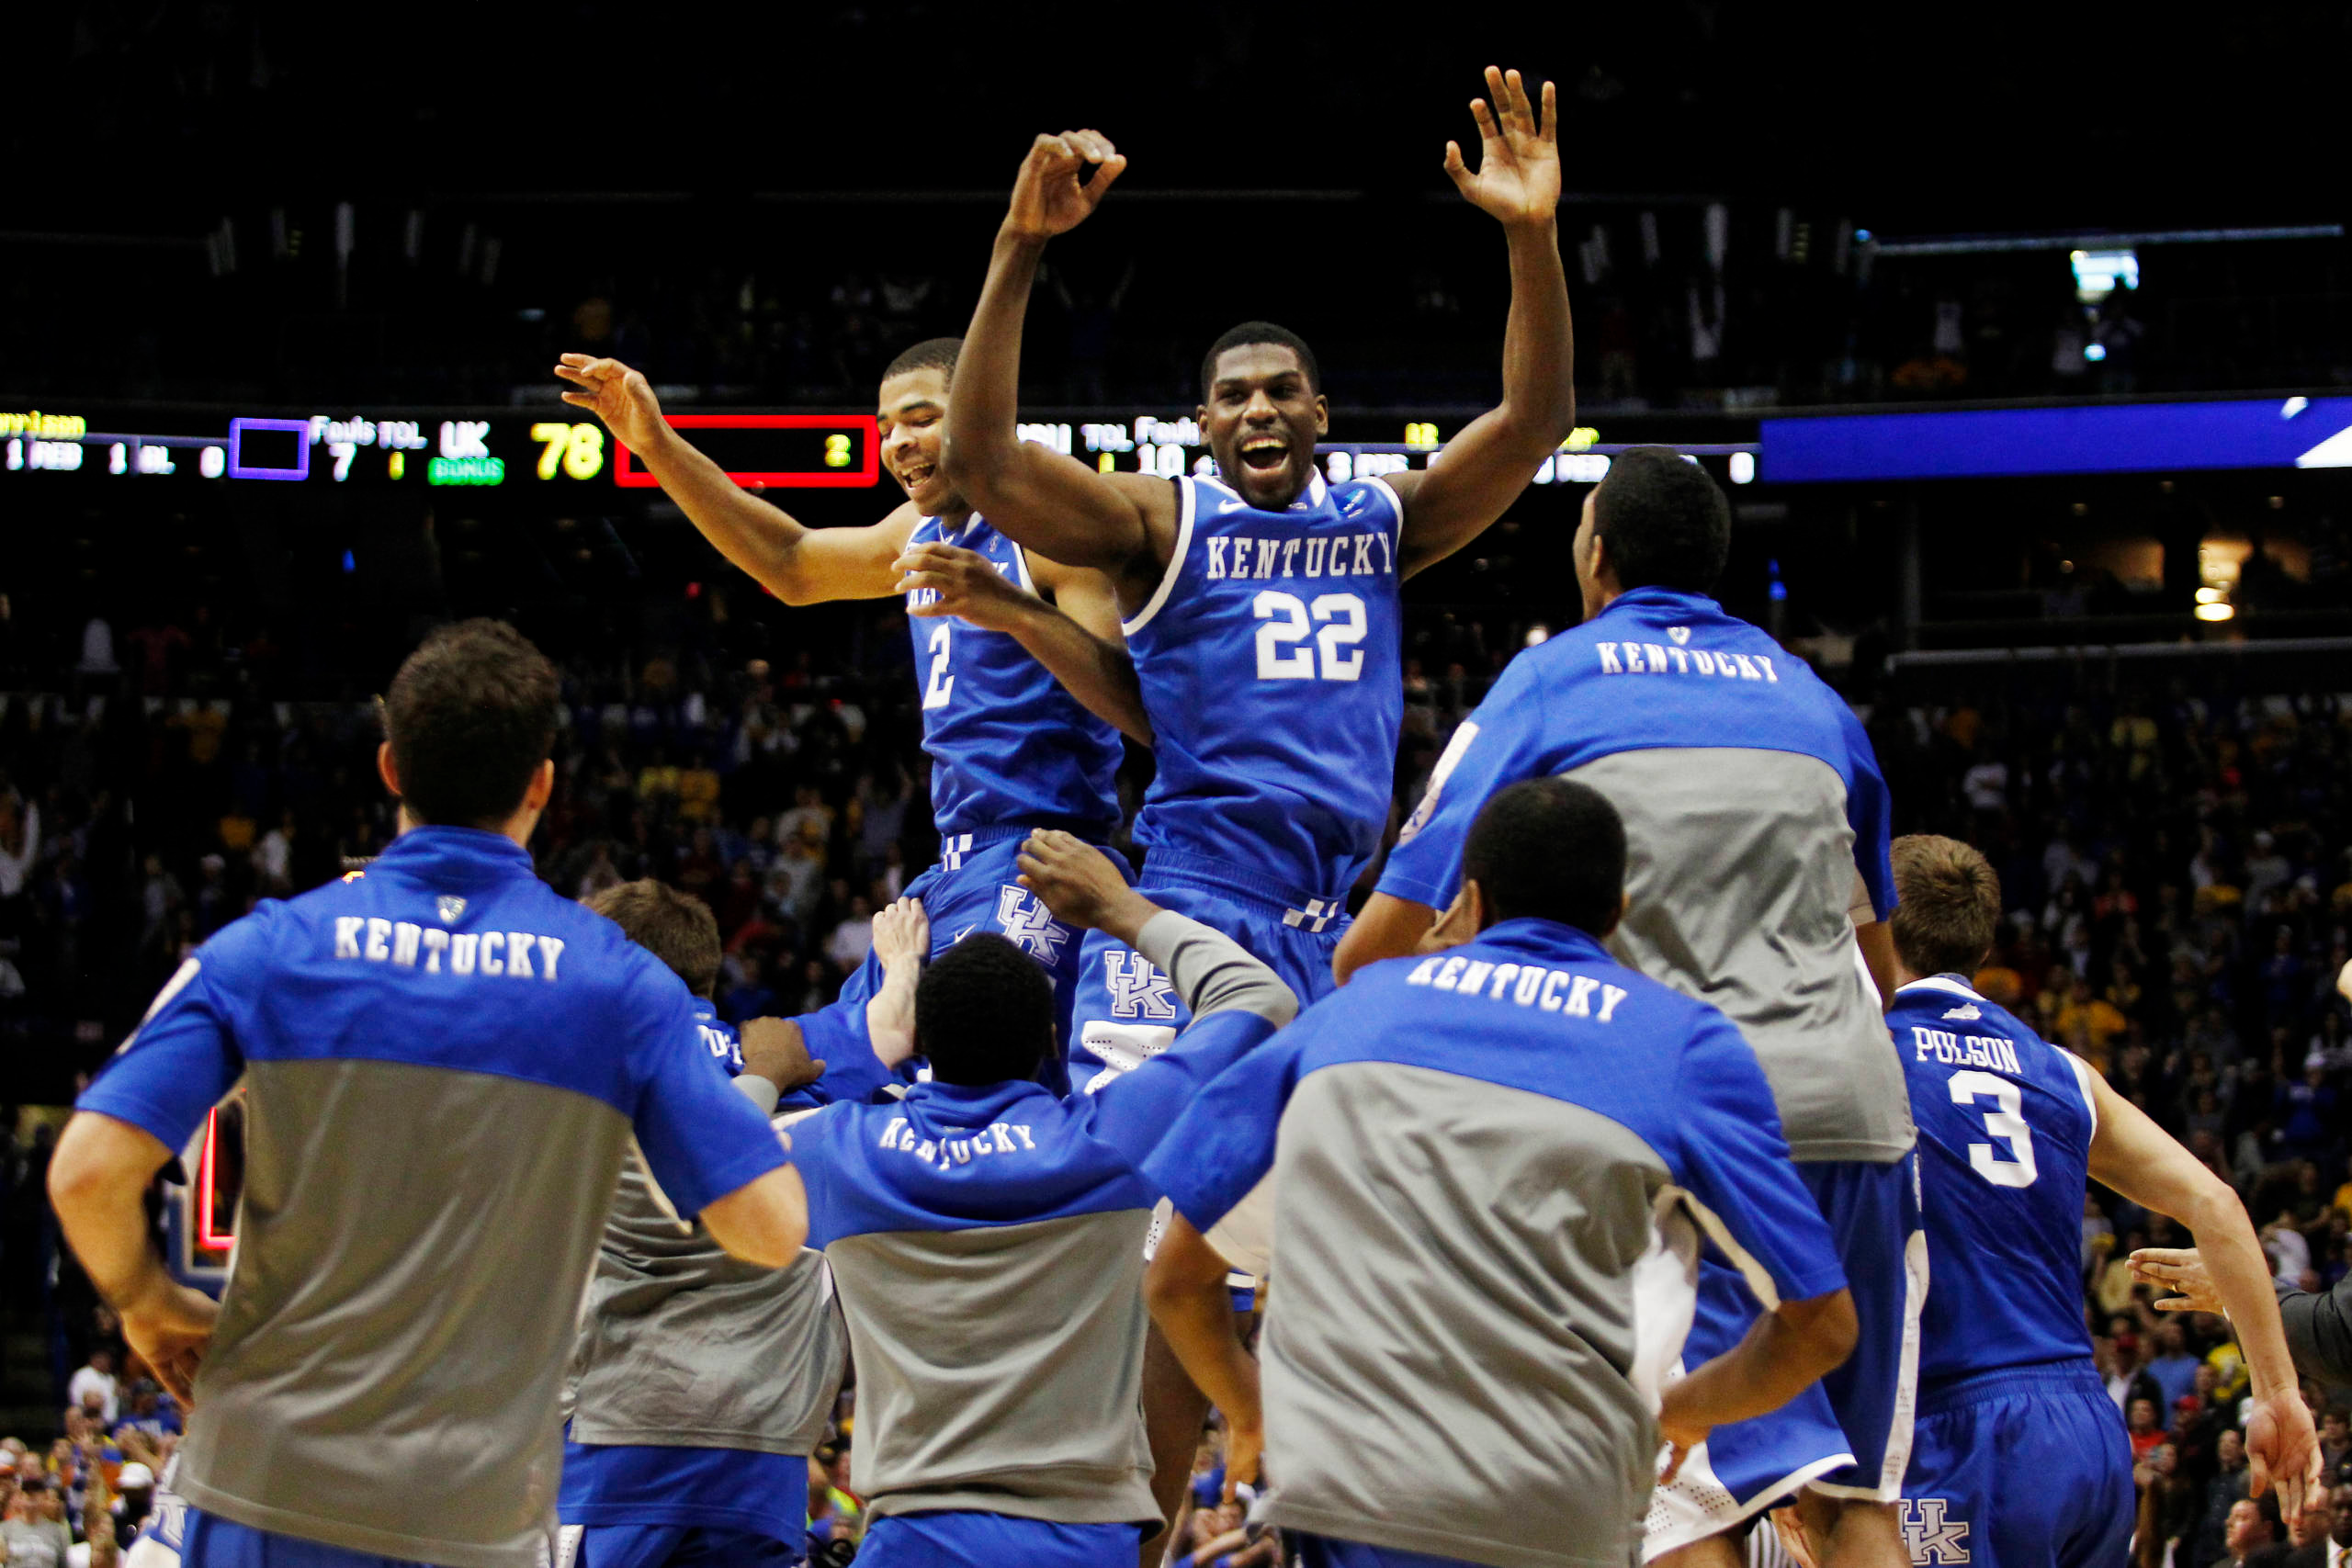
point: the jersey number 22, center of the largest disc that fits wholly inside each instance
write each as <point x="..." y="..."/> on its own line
<point x="1283" y="653"/>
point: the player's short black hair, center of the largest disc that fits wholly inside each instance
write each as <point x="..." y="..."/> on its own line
<point x="1252" y="332"/>
<point x="1549" y="848"/>
<point x="1665" y="520"/>
<point x="931" y="354"/>
<point x="471" y="717"/>
<point x="984" y="1013"/>
<point x="676" y="928"/>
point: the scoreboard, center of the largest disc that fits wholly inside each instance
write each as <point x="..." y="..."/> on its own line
<point x="556" y="456"/>
<point x="468" y="449"/>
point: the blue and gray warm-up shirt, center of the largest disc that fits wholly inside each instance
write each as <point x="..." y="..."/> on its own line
<point x="1756" y="830"/>
<point x="699" y="1383"/>
<point x="986" y="1243"/>
<point x="444" y="1062"/>
<point x="1492" y="1170"/>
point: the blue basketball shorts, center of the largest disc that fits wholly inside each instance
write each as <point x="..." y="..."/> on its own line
<point x="2021" y="1469"/>
<point x="212" y="1541"/>
<point x="1847" y="1435"/>
<point x="1127" y="1012"/>
<point x="672" y="1546"/>
<point x="974" y="888"/>
<point x="960" y="1538"/>
<point x="1325" y="1552"/>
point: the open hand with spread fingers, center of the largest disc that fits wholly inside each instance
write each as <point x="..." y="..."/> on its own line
<point x="619" y="396"/>
<point x="1518" y="178"/>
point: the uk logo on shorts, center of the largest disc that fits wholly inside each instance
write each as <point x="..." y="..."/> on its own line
<point x="1137" y="987"/>
<point x="1029" y="925"/>
<point x="1929" y="1537"/>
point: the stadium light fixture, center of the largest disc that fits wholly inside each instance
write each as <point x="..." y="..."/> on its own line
<point x="2215" y="611"/>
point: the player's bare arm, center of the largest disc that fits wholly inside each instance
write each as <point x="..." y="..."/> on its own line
<point x="763" y="1221"/>
<point x="1784" y="1352"/>
<point x="901" y="942"/>
<point x="1121" y="523"/>
<point x="1189" y="1300"/>
<point x="1388" y="927"/>
<point x="774" y="1049"/>
<point x="1483" y="469"/>
<point x="2138" y="1159"/>
<point x="1070" y="625"/>
<point x="1081" y="886"/>
<point x="98" y="1184"/>
<point x="800" y="565"/>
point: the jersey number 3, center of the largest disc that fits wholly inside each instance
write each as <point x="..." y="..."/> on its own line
<point x="2004" y="1122"/>
<point x="935" y="692"/>
<point x="1283" y="653"/>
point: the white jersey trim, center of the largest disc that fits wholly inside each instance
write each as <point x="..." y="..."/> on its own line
<point x="1396" y="540"/>
<point x="1938" y="983"/>
<point x="2082" y="1071"/>
<point x="1186" y="491"/>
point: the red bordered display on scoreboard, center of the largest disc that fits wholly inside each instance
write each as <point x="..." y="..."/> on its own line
<point x="777" y="451"/>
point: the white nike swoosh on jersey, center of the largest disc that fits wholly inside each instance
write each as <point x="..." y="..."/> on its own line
<point x="1231" y="505"/>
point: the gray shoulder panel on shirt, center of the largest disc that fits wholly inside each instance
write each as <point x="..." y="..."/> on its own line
<point x="1738" y="877"/>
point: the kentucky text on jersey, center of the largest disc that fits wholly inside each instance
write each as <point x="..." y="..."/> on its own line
<point x="1529" y="985"/>
<point x="996" y="1138"/>
<point x="1257" y="555"/>
<point x="1665" y="658"/>
<point x="405" y="942"/>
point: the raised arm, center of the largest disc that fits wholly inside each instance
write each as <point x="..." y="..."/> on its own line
<point x="1123" y="523"/>
<point x="1076" y="636"/>
<point x="799" y="565"/>
<point x="901" y="942"/>
<point x="2130" y="1154"/>
<point x="1484" y="468"/>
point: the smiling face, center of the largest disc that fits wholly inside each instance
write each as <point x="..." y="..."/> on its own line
<point x="1263" y="418"/>
<point x="912" y="414"/>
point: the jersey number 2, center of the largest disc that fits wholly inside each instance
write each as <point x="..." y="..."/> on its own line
<point x="2004" y="1123"/>
<point x="1283" y="653"/>
<point x="935" y="693"/>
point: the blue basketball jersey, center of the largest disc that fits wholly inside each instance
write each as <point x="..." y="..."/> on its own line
<point x="1007" y="743"/>
<point x="2005" y="1123"/>
<point x="1269" y="658"/>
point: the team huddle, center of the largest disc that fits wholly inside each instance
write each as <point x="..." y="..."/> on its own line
<point x="1639" y="1159"/>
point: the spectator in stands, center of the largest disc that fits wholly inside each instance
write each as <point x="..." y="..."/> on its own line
<point x="34" y="1531"/>
<point x="2251" y="1540"/>
<point x="96" y="1378"/>
<point x="2173" y="1368"/>
<point x="2224" y="1492"/>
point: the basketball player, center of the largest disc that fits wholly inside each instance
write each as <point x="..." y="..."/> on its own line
<point x="1492" y="1169"/>
<point x="1262" y="606"/>
<point x="1010" y="749"/>
<point x="1758" y="826"/>
<point x="986" y="1238"/>
<point x="699" y="1385"/>
<point x="2019" y="1457"/>
<point x="445" y="1062"/>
